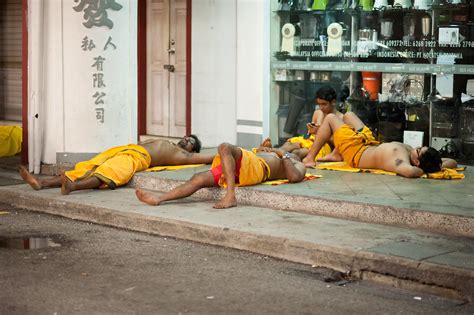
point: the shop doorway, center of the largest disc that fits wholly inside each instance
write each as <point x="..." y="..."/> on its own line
<point x="11" y="83"/>
<point x="10" y="62"/>
<point x="166" y="67"/>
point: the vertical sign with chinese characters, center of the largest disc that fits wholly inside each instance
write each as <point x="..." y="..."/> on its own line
<point x="100" y="73"/>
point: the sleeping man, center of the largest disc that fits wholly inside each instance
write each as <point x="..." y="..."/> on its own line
<point x="231" y="167"/>
<point x="356" y="145"/>
<point x="116" y="166"/>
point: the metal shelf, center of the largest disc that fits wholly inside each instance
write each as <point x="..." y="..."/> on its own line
<point x="376" y="67"/>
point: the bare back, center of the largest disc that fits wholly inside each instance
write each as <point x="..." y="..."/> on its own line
<point x="163" y="152"/>
<point x="391" y="157"/>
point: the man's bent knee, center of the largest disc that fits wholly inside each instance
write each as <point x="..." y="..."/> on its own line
<point x="227" y="147"/>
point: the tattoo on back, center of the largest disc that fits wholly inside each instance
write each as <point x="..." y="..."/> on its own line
<point x="398" y="162"/>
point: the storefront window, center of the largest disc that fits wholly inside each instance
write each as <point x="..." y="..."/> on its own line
<point x="405" y="67"/>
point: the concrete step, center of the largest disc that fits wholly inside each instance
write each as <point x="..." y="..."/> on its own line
<point x="428" y="262"/>
<point x="445" y="207"/>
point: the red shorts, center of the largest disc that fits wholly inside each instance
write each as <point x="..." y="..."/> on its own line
<point x="217" y="171"/>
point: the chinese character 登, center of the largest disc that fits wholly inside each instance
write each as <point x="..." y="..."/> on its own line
<point x="98" y="97"/>
<point x="99" y="114"/>
<point x="87" y="44"/>
<point x="109" y="42"/>
<point x="99" y="63"/>
<point x="98" y="80"/>
<point x="95" y="12"/>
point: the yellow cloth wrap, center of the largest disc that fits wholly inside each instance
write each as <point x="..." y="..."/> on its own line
<point x="10" y="140"/>
<point x="253" y="169"/>
<point x="307" y="143"/>
<point x="351" y="144"/>
<point x="304" y="143"/>
<point x="115" y="167"/>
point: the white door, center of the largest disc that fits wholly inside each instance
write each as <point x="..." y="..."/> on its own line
<point x="166" y="67"/>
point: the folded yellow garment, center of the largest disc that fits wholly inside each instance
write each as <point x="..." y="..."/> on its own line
<point x="171" y="167"/>
<point x="10" y="140"/>
<point x="253" y="169"/>
<point x="445" y="173"/>
<point x="115" y="167"/>
<point x="307" y="176"/>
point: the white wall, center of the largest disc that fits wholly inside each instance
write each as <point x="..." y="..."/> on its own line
<point x="250" y="67"/>
<point x="84" y="132"/>
<point x="213" y="93"/>
<point x="227" y="69"/>
<point x="60" y="75"/>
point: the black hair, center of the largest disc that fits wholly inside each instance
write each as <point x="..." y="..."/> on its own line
<point x="430" y="161"/>
<point x="326" y="93"/>
<point x="197" y="144"/>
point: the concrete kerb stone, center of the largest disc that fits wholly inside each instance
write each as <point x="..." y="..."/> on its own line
<point x="454" y="225"/>
<point x="445" y="280"/>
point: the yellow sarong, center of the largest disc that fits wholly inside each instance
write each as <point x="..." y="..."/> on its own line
<point x="253" y="169"/>
<point x="115" y="167"/>
<point x="10" y="140"/>
<point x="351" y="144"/>
<point x="307" y="143"/>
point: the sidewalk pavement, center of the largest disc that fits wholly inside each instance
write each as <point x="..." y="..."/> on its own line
<point x="410" y="233"/>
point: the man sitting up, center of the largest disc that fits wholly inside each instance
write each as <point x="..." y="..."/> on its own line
<point x="116" y="166"/>
<point x="231" y="167"/>
<point x="326" y="98"/>
<point x="356" y="145"/>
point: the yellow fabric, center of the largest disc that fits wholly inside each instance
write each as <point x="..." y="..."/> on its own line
<point x="351" y="144"/>
<point x="445" y="173"/>
<point x="171" y="167"/>
<point x="253" y="169"/>
<point x="304" y="143"/>
<point x="307" y="143"/>
<point x="115" y="167"/>
<point x="343" y="166"/>
<point x="307" y="176"/>
<point x="10" y="140"/>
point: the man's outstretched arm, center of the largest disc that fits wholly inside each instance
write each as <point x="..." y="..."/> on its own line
<point x="183" y="158"/>
<point x="407" y="170"/>
<point x="294" y="169"/>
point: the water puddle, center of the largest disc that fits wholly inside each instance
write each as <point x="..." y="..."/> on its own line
<point x="28" y="243"/>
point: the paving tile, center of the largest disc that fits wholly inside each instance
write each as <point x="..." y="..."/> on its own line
<point x="458" y="259"/>
<point x="411" y="250"/>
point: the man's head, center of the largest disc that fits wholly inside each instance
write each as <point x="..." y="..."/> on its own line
<point x="426" y="158"/>
<point x="326" y="99"/>
<point x="190" y="143"/>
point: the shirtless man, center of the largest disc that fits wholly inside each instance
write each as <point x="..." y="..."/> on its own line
<point x="116" y="166"/>
<point x="231" y="167"/>
<point x="326" y="98"/>
<point x="356" y="145"/>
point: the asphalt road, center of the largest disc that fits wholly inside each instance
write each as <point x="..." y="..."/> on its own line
<point x="104" y="270"/>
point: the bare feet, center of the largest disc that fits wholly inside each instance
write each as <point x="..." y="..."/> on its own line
<point x="146" y="197"/>
<point x="66" y="185"/>
<point x="30" y="179"/>
<point x="267" y="143"/>
<point x="334" y="156"/>
<point x="309" y="163"/>
<point x="226" y="202"/>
